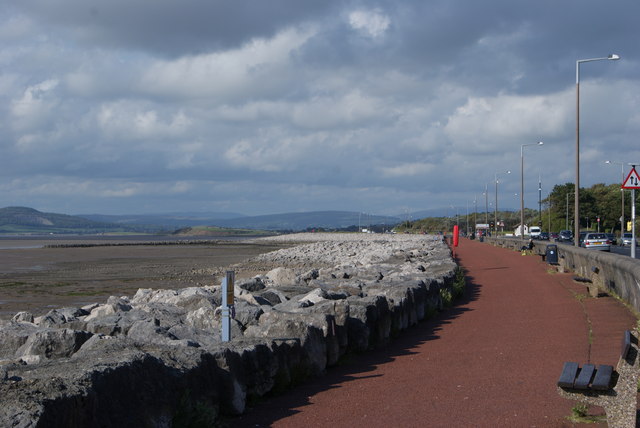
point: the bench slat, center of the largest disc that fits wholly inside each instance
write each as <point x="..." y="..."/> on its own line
<point x="584" y="377"/>
<point x="568" y="375"/>
<point x="602" y="380"/>
<point x="626" y="344"/>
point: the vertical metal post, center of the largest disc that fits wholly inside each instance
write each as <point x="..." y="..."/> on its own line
<point x="495" y="212"/>
<point x="633" y="223"/>
<point x="467" y="229"/>
<point x="522" y="192"/>
<point x="576" y="237"/>
<point x="576" y="201"/>
<point x="227" y="304"/>
<point x="567" y="219"/>
<point x="540" y="200"/>
<point x="622" y="215"/>
<point x="486" y="203"/>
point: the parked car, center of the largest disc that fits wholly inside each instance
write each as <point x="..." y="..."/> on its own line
<point x="612" y="238"/>
<point x="534" y="232"/>
<point x="581" y="238"/>
<point x="626" y="239"/>
<point x="565" y="236"/>
<point x="596" y="241"/>
<point x="544" y="236"/>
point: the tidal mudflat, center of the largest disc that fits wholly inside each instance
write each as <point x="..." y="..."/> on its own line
<point x="37" y="275"/>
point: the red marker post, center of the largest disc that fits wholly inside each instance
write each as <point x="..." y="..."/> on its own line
<point x="455" y="235"/>
<point x="455" y="238"/>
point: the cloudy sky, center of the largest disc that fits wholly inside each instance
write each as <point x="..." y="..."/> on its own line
<point x="272" y="106"/>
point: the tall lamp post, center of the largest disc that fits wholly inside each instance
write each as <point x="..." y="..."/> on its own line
<point x="539" y="143"/>
<point x="467" y="228"/>
<point x="576" y="236"/>
<point x="475" y="212"/>
<point x="540" y="201"/>
<point x="567" y="225"/>
<point x="622" y="193"/>
<point x="495" y="212"/>
<point x="486" y="203"/>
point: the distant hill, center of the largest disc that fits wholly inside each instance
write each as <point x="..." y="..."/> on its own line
<point x="23" y="220"/>
<point x="307" y="220"/>
<point x="273" y="222"/>
<point x="169" y="221"/>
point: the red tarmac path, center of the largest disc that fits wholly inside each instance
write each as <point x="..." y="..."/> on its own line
<point x="490" y="361"/>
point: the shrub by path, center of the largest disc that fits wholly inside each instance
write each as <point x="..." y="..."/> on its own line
<point x="492" y="360"/>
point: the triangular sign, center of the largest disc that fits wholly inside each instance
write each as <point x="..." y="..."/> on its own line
<point x="632" y="181"/>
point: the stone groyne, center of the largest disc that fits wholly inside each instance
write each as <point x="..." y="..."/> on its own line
<point x="156" y="359"/>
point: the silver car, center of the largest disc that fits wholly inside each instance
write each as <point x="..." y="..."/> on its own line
<point x="626" y="239"/>
<point x="596" y="241"/>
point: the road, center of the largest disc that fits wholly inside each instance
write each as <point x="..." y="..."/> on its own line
<point x="625" y="251"/>
<point x="616" y="249"/>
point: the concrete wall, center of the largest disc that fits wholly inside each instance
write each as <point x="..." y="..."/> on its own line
<point x="607" y="271"/>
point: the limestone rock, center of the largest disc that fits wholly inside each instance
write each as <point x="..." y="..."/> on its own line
<point x="282" y="276"/>
<point x="252" y="284"/>
<point x="23" y="317"/>
<point x="52" y="343"/>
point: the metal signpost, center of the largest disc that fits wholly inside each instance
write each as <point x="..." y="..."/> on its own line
<point x="632" y="182"/>
<point x="227" y="304"/>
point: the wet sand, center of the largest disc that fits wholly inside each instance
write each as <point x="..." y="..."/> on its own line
<point x="37" y="279"/>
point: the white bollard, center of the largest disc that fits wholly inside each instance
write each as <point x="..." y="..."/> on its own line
<point x="227" y="304"/>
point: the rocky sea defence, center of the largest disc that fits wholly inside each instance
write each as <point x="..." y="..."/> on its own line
<point x="156" y="359"/>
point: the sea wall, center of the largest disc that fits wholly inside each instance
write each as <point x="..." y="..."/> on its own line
<point x="603" y="271"/>
<point x="156" y="359"/>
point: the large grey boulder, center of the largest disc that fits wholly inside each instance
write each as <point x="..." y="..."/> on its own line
<point x="51" y="343"/>
<point x="23" y="316"/>
<point x="282" y="276"/>
<point x="113" y="324"/>
<point x="311" y="329"/>
<point x="13" y="336"/>
<point x="252" y="284"/>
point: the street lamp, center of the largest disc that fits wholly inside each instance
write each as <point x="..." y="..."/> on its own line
<point x="495" y="213"/>
<point x="567" y="225"/>
<point x="622" y="193"/>
<point x="475" y="212"/>
<point x="486" y="204"/>
<point x="539" y="143"/>
<point x="576" y="213"/>
<point x="540" y="201"/>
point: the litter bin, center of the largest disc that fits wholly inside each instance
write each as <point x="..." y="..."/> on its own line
<point x="551" y="254"/>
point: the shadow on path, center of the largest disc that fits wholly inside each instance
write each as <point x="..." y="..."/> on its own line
<point x="354" y="367"/>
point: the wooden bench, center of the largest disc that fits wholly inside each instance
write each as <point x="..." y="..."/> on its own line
<point x="590" y="377"/>
<point x="614" y="390"/>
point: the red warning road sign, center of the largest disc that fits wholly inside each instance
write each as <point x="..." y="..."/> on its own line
<point x="632" y="181"/>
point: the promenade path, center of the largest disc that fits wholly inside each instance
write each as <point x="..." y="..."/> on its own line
<point x="490" y="361"/>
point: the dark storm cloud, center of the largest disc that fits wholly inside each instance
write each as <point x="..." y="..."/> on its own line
<point x="169" y="27"/>
<point x="267" y="106"/>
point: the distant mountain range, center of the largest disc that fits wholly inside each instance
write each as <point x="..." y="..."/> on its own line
<point x="21" y="220"/>
<point x="285" y="221"/>
<point x="169" y="221"/>
<point x="308" y="220"/>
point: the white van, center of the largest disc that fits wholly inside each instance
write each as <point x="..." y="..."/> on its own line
<point x="534" y="231"/>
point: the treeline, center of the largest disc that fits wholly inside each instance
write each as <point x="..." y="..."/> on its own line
<point x="598" y="202"/>
<point x="600" y="209"/>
